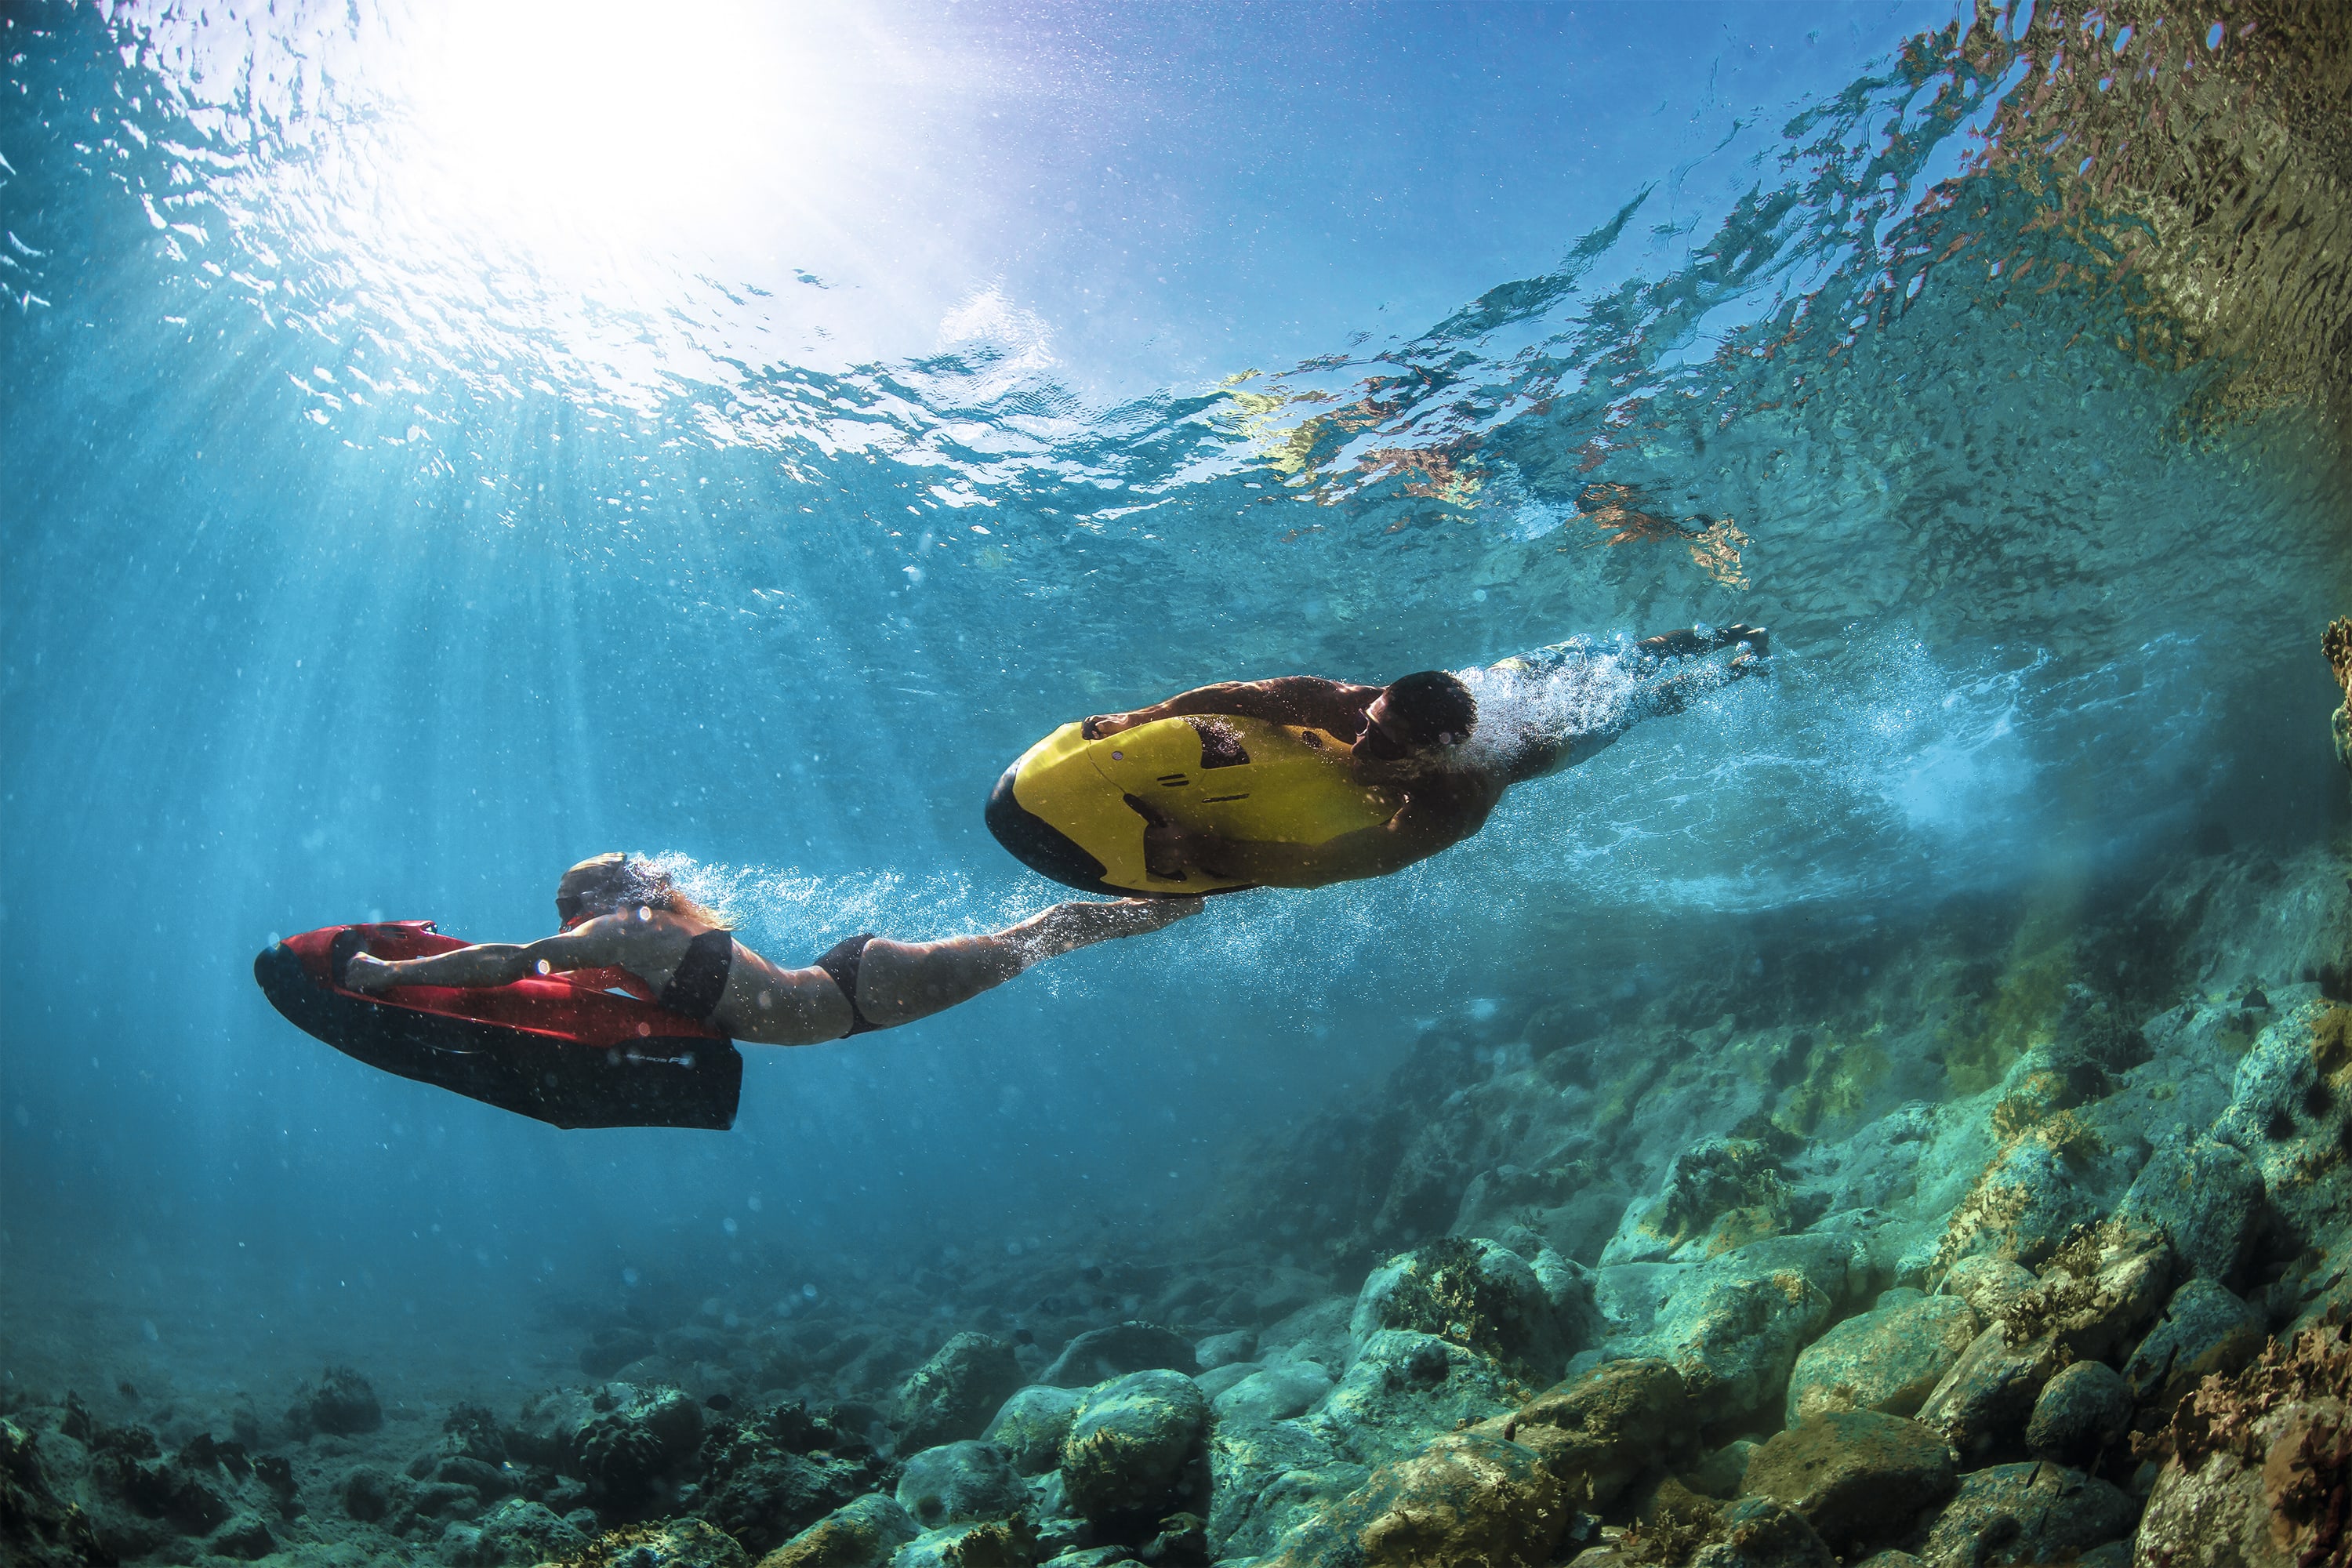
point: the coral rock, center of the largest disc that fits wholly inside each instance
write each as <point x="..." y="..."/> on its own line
<point x="341" y="1402"/>
<point x="672" y="1543"/>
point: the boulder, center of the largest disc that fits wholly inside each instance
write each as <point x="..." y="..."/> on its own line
<point x="863" y="1534"/>
<point x="1889" y="1360"/>
<point x="2029" y="1200"/>
<point x="1275" y="1393"/>
<point x="2021" y="1516"/>
<point x="951" y="1396"/>
<point x="774" y="1474"/>
<point x="2205" y="1328"/>
<point x="244" y="1537"/>
<point x="2289" y="1105"/>
<point x="1134" y="1447"/>
<point x="1264" y="1480"/>
<point x="1223" y="1349"/>
<point x="1406" y="1388"/>
<point x="1101" y="1353"/>
<point x="1860" y="1478"/>
<point x="1718" y="1194"/>
<point x="1468" y="1498"/>
<point x="368" y="1492"/>
<point x="1480" y="1295"/>
<point x="1982" y="1403"/>
<point x="1735" y="1340"/>
<point x="622" y="1452"/>
<point x="1030" y="1426"/>
<point x="961" y="1483"/>
<point x="2205" y="1197"/>
<point x="2082" y="1413"/>
<point x="341" y="1402"/>
<point x="1597" y="1433"/>
<point x="40" y="1526"/>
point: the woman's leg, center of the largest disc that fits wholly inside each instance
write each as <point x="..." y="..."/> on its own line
<point x="900" y="981"/>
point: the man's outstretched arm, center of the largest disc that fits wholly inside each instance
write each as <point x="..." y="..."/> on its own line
<point x="1305" y="699"/>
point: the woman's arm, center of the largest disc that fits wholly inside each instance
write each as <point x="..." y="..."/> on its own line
<point x="492" y="964"/>
<point x="1307" y="700"/>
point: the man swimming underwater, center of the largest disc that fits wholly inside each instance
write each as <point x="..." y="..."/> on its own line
<point x="1331" y="781"/>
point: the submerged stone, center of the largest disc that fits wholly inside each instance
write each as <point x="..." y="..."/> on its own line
<point x="1889" y="1360"/>
<point x="1597" y="1433"/>
<point x="1101" y="1353"/>
<point x="1861" y="1479"/>
<point x="1406" y="1388"/>
<point x="1031" y="1425"/>
<point x="2082" y="1412"/>
<point x="953" y="1394"/>
<point x="1480" y="1295"/>
<point x="1135" y="1444"/>
<point x="2205" y="1329"/>
<point x="957" y="1483"/>
<point x="2022" y="1516"/>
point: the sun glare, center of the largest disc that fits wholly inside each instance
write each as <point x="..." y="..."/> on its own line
<point x="563" y="119"/>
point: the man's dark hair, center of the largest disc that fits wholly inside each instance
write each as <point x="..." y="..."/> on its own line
<point x="1435" y="708"/>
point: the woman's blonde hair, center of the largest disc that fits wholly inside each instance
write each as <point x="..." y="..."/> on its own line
<point x="615" y="880"/>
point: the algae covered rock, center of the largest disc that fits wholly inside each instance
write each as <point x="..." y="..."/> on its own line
<point x="671" y="1543"/>
<point x="957" y="1483"/>
<point x="1861" y="1479"/>
<point x="1718" y="1194"/>
<point x="39" y="1527"/>
<point x="1135" y="1446"/>
<point x="1030" y="1426"/>
<point x="1889" y="1360"/>
<point x="1480" y="1295"/>
<point x="862" y="1534"/>
<point x="2011" y="1516"/>
<point x="1598" y="1432"/>
<point x="952" y="1395"/>
<point x="1990" y="1285"/>
<point x="1122" y="1348"/>
<point x="2260" y="1462"/>
<point x="515" y="1532"/>
<point x="1467" y="1499"/>
<point x="2096" y="1292"/>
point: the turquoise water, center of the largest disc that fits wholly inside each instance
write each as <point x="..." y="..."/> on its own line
<point x="427" y="464"/>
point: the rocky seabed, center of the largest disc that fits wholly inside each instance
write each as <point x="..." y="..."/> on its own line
<point x="1740" y="1302"/>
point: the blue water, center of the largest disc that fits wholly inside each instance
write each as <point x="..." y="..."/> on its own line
<point x="438" y="448"/>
